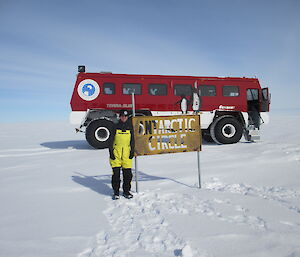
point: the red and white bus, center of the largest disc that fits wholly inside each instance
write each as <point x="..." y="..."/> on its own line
<point x="229" y="107"/>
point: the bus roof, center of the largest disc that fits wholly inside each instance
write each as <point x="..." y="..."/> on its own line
<point x="115" y="75"/>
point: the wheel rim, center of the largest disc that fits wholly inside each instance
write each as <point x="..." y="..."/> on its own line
<point x="228" y="130"/>
<point x="102" y="134"/>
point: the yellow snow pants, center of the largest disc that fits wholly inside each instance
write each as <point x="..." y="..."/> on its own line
<point x="121" y="150"/>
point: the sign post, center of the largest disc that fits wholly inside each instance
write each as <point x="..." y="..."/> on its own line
<point x="135" y="158"/>
<point x="199" y="174"/>
<point x="167" y="134"/>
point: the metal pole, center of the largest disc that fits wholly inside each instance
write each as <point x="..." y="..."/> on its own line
<point x="133" y="104"/>
<point x="199" y="175"/>
<point x="136" y="175"/>
<point x="135" y="158"/>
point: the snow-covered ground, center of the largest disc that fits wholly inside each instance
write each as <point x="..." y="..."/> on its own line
<point x="56" y="201"/>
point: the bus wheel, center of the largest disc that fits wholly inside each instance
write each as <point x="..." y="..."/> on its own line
<point x="98" y="133"/>
<point x="226" y="130"/>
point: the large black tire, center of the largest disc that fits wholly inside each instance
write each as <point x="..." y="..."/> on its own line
<point x="226" y="130"/>
<point x="98" y="133"/>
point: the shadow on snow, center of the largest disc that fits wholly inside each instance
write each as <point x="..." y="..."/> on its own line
<point x="73" y="144"/>
<point x="101" y="184"/>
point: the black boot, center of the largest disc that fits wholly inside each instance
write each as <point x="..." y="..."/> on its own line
<point x="116" y="197"/>
<point x="128" y="195"/>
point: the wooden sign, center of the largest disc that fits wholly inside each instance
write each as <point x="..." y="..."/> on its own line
<point x="166" y="134"/>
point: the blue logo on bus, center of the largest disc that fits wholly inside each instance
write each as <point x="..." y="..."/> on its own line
<point x="88" y="89"/>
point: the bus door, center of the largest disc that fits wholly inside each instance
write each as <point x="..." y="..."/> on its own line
<point x="265" y="100"/>
<point x="253" y="106"/>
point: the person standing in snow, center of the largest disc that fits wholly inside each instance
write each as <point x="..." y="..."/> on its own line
<point x="121" y="152"/>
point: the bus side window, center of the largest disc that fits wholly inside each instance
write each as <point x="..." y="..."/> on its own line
<point x="181" y="89"/>
<point x="109" y="88"/>
<point x="207" y="90"/>
<point x="157" y="89"/>
<point x="129" y="88"/>
<point x="231" y="91"/>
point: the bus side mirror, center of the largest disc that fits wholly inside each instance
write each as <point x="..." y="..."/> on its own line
<point x="81" y="68"/>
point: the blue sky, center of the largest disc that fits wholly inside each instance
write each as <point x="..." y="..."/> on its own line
<point x="43" y="42"/>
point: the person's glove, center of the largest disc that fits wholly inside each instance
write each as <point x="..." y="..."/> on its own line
<point x="112" y="156"/>
<point x="131" y="155"/>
